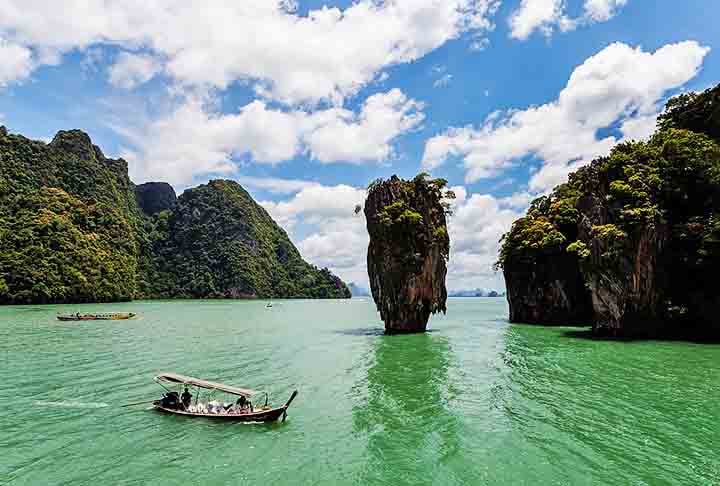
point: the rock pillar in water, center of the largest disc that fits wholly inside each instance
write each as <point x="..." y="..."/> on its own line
<point x="408" y="250"/>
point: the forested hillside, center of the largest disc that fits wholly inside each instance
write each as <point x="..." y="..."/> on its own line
<point x="72" y="230"/>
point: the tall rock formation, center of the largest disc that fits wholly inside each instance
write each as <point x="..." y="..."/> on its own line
<point x="408" y="251"/>
<point x="631" y="243"/>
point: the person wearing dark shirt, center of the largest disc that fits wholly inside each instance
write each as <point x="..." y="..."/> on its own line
<point x="186" y="398"/>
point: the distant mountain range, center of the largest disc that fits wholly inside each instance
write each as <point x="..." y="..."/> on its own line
<point x="476" y="293"/>
<point x="358" y="291"/>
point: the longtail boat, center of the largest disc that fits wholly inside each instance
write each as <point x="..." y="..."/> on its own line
<point x="99" y="316"/>
<point x="189" y="404"/>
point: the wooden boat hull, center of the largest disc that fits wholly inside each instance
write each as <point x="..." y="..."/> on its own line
<point x="270" y="415"/>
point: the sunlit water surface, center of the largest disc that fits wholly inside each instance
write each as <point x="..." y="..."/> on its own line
<point x="474" y="401"/>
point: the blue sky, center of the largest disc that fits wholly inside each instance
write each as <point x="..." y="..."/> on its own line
<point x="304" y="103"/>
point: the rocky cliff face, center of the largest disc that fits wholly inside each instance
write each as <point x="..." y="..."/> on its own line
<point x="636" y="235"/>
<point x="154" y="197"/>
<point x="548" y="290"/>
<point x="408" y="251"/>
<point x="72" y="230"/>
<point x="218" y="242"/>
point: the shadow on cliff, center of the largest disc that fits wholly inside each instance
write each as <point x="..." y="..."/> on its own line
<point x="405" y="417"/>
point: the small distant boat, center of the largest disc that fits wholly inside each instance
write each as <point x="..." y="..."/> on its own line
<point x="99" y="316"/>
<point x="268" y="305"/>
<point x="240" y="411"/>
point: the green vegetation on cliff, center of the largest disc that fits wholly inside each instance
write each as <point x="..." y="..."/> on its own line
<point x="409" y="248"/>
<point x="68" y="220"/>
<point x="218" y="242"/>
<point x="642" y="226"/>
<point x="71" y="230"/>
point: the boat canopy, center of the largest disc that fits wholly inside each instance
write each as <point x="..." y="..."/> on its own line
<point x="209" y="385"/>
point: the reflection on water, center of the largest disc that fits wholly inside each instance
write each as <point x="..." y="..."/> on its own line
<point x="612" y="410"/>
<point x="405" y="416"/>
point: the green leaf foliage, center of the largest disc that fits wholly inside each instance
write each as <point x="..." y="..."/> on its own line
<point x="71" y="230"/>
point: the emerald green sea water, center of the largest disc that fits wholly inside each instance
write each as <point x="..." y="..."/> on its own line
<point x="474" y="401"/>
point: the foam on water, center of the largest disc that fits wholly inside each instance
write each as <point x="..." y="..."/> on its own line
<point x="70" y="404"/>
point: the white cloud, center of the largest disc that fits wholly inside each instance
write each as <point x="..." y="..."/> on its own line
<point x="340" y="135"/>
<point x="535" y="14"/>
<point x="16" y="63"/>
<point x="326" y="55"/>
<point x="443" y="81"/>
<point x="340" y="245"/>
<point x="619" y="85"/>
<point x="547" y="16"/>
<point x="275" y="185"/>
<point x="194" y="140"/>
<point x="131" y="70"/>
<point x="603" y="10"/>
<point x="322" y="220"/>
<point x="316" y="203"/>
<point x="480" y="45"/>
<point x="476" y="226"/>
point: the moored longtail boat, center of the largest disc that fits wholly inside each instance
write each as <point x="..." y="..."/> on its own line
<point x="172" y="402"/>
<point x="97" y="316"/>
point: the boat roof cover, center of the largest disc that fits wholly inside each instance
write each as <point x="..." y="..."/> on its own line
<point x="210" y="385"/>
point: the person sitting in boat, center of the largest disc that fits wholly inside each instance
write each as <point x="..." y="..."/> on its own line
<point x="171" y="400"/>
<point x="186" y="398"/>
<point x="243" y="405"/>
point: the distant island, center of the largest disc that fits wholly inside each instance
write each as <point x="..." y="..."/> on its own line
<point x="74" y="228"/>
<point x="476" y="293"/>
<point x="358" y="291"/>
<point x="631" y="243"/>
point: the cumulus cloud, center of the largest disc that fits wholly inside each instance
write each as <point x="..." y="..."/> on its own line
<point x="317" y="203"/>
<point x="16" y="63"/>
<point x="340" y="135"/>
<point x="131" y="70"/>
<point x="275" y="185"/>
<point x="476" y="226"/>
<point x="194" y="139"/>
<point x="603" y="10"/>
<point x="547" y="16"/>
<point x="327" y="54"/>
<point x="328" y="233"/>
<point x="533" y="15"/>
<point x="620" y="86"/>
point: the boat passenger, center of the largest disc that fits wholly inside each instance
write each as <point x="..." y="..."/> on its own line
<point x="186" y="398"/>
<point x="171" y="400"/>
<point x="243" y="405"/>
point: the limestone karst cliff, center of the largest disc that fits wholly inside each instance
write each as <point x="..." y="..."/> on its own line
<point x="408" y="251"/>
<point x="74" y="228"/>
<point x="631" y="243"/>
